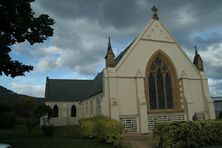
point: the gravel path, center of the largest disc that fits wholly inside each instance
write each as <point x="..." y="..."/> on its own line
<point x="139" y="141"/>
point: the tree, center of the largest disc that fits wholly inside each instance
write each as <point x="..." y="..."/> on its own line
<point x="44" y="112"/>
<point x="7" y="116"/>
<point x="19" y="24"/>
<point x="25" y="110"/>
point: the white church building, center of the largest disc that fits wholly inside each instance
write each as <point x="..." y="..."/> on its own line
<point x="151" y="81"/>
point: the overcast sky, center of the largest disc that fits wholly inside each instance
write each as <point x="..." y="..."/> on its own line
<point x="78" y="47"/>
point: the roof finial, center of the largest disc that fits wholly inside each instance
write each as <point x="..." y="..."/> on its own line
<point x="110" y="56"/>
<point x="196" y="52"/>
<point x="155" y="10"/>
<point x="109" y="44"/>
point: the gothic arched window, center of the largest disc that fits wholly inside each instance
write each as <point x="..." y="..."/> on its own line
<point x="91" y="106"/>
<point x="55" y="111"/>
<point x="73" y="111"/>
<point x="160" y="85"/>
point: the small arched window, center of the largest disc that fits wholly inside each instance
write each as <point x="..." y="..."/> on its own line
<point x="55" y="111"/>
<point x="73" y="111"/>
<point x="91" y="107"/>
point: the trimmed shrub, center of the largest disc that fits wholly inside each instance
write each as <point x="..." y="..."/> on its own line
<point x="188" y="134"/>
<point x="102" y="128"/>
<point x="114" y="132"/>
<point x="87" y="128"/>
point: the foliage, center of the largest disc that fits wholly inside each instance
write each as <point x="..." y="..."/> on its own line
<point x="7" y="116"/>
<point x="44" y="112"/>
<point x="18" y="24"/>
<point x="220" y="115"/>
<point x="25" y="108"/>
<point x="102" y="128"/>
<point x="8" y="119"/>
<point x="48" y="130"/>
<point x="30" y="112"/>
<point x="188" y="134"/>
<point x="87" y="128"/>
<point x="114" y="132"/>
<point x="43" y="109"/>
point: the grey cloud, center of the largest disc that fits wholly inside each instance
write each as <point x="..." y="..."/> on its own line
<point x="117" y="13"/>
<point x="82" y="28"/>
<point x="209" y="40"/>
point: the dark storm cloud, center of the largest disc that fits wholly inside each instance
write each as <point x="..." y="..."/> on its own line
<point x="186" y="19"/>
<point x="117" y="13"/>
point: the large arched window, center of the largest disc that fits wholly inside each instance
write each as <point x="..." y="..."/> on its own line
<point x="73" y="111"/>
<point x="160" y="84"/>
<point x="55" y="111"/>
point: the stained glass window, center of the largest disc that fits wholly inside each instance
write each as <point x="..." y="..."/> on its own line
<point x="160" y="85"/>
<point x="152" y="92"/>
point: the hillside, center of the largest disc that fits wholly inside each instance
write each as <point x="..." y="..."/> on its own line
<point x="9" y="97"/>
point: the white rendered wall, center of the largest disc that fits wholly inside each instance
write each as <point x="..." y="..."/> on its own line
<point x="64" y="113"/>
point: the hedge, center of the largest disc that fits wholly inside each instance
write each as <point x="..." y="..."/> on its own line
<point x="188" y="134"/>
<point x="102" y="128"/>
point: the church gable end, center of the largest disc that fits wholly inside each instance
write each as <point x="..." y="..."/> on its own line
<point x="156" y="31"/>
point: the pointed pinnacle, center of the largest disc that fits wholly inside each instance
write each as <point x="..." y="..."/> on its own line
<point x="196" y="52"/>
<point x="109" y="43"/>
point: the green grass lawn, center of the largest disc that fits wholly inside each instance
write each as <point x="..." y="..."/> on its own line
<point x="64" y="137"/>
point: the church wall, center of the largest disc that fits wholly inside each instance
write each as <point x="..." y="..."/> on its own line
<point x="91" y="106"/>
<point x="193" y="94"/>
<point x="139" y="56"/>
<point x="64" y="113"/>
<point x="127" y="96"/>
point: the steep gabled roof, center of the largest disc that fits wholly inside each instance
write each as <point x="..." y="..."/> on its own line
<point x="95" y="87"/>
<point x="60" y="90"/>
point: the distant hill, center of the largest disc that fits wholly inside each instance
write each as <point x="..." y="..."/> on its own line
<point x="9" y="97"/>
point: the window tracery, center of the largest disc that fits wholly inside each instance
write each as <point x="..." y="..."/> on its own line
<point x="160" y="85"/>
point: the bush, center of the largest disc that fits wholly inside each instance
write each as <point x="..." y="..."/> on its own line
<point x="87" y="128"/>
<point x="8" y="120"/>
<point x="114" y="132"/>
<point x="220" y="115"/>
<point x="102" y="128"/>
<point x="48" y="130"/>
<point x="188" y="134"/>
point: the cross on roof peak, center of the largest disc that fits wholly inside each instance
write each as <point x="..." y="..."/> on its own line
<point x="155" y="10"/>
